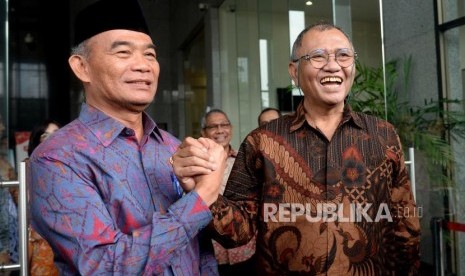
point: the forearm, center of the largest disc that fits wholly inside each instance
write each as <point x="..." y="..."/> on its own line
<point x="233" y="222"/>
<point x="95" y="236"/>
<point x="406" y="232"/>
<point x="404" y="252"/>
<point x="148" y="248"/>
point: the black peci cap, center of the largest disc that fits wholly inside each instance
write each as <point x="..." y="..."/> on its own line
<point x="105" y="15"/>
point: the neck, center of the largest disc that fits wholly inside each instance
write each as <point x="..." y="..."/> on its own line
<point x="324" y="120"/>
<point x="227" y="148"/>
<point x="318" y="113"/>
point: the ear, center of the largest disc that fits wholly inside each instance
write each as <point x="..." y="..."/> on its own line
<point x="353" y="72"/>
<point x="79" y="66"/>
<point x="202" y="132"/>
<point x="292" y="68"/>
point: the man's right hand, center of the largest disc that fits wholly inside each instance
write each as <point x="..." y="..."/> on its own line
<point x="197" y="157"/>
<point x="208" y="185"/>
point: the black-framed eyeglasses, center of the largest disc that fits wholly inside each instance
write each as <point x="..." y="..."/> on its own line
<point x="318" y="58"/>
<point x="217" y="126"/>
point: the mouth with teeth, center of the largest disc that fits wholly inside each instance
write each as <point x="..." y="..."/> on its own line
<point x="140" y="82"/>
<point x="331" y="80"/>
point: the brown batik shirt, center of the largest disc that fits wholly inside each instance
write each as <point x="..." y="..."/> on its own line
<point x="339" y="207"/>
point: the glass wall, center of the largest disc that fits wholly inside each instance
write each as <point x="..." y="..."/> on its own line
<point x="8" y="213"/>
<point x="255" y="42"/>
<point x="3" y="82"/>
<point x="452" y="40"/>
<point x="239" y="61"/>
<point x="195" y="84"/>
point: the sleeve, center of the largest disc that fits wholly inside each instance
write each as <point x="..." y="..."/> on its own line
<point x="235" y="213"/>
<point x="68" y="211"/>
<point x="4" y="234"/>
<point x="405" y="252"/>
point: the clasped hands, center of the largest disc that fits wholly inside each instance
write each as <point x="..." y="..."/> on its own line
<point x="199" y="165"/>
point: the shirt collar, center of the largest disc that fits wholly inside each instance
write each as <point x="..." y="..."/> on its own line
<point x="348" y="115"/>
<point x="232" y="152"/>
<point x="106" y="128"/>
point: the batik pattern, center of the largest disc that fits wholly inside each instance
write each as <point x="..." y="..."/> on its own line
<point x="288" y="163"/>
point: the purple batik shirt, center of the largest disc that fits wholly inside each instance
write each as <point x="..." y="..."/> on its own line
<point x="108" y="206"/>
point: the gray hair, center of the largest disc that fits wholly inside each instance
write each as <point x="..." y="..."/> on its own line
<point x="320" y="26"/>
<point x="203" y="122"/>
<point x="82" y="49"/>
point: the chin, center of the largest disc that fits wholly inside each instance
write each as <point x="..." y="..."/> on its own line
<point x="336" y="98"/>
<point x="138" y="106"/>
<point x="333" y="102"/>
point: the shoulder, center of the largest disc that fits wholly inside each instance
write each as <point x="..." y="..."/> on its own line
<point x="277" y="131"/>
<point x="168" y="139"/>
<point x="378" y="128"/>
<point x="278" y="126"/>
<point x="64" y="139"/>
<point x="372" y="122"/>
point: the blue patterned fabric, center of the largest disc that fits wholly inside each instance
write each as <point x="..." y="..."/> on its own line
<point x="4" y="217"/>
<point x="107" y="204"/>
<point x="8" y="225"/>
<point x="13" y="229"/>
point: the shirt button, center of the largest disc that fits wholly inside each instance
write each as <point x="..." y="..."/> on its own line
<point x="128" y="132"/>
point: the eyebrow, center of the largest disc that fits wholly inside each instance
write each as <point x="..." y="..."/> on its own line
<point x="325" y="50"/>
<point x="127" y="43"/>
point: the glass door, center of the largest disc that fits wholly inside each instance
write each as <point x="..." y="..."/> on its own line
<point x="195" y="84"/>
<point x="4" y="76"/>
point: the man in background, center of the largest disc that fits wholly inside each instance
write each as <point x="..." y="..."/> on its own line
<point x="268" y="114"/>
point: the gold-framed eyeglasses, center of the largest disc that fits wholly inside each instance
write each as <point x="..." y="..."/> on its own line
<point x="318" y="58"/>
<point x="218" y="126"/>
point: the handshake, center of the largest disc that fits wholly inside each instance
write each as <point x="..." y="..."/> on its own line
<point x="199" y="165"/>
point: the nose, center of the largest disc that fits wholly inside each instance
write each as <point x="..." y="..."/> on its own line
<point x="329" y="58"/>
<point x="332" y="62"/>
<point x="141" y="63"/>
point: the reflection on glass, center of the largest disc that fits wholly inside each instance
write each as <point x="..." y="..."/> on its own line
<point x="451" y="10"/>
<point x="195" y="84"/>
<point x="264" y="72"/>
<point x="454" y="88"/>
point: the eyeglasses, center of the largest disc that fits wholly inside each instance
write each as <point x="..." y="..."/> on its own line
<point x="319" y="58"/>
<point x="218" y="126"/>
